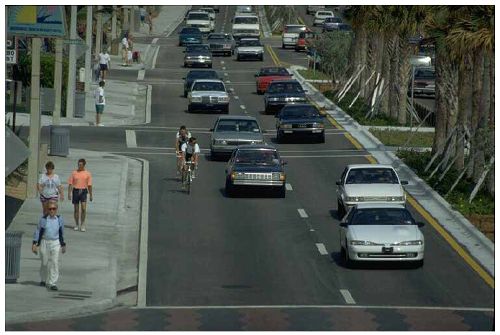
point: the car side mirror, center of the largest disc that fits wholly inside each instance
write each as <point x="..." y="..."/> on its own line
<point x="338" y="182"/>
<point x="404" y="182"/>
<point x="420" y="224"/>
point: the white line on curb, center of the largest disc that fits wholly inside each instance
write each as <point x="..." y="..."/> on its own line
<point x="131" y="138"/>
<point x="321" y="248"/>
<point x="302" y="213"/>
<point x="288" y="187"/>
<point x="143" y="247"/>
<point x="154" y="40"/>
<point x="347" y="297"/>
<point x="141" y="74"/>
<point x="148" y="104"/>
<point x="154" y="58"/>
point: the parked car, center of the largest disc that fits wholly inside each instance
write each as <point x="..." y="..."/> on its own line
<point x="256" y="166"/>
<point x="200" y="20"/>
<point x="421" y="60"/>
<point x="190" y="35"/>
<point x="269" y="73"/>
<point x="249" y="48"/>
<point x="425" y="81"/>
<point x="221" y="43"/>
<point x="291" y="34"/>
<point x="208" y="95"/>
<point x="283" y="92"/>
<point x="361" y="183"/>
<point x="231" y="131"/>
<point x="197" y="74"/>
<point x="381" y="232"/>
<point x="304" y="40"/>
<point x="300" y="120"/>
<point x="245" y="25"/>
<point x="320" y="17"/>
<point x="331" y="23"/>
<point x="197" y="54"/>
<point x="312" y="9"/>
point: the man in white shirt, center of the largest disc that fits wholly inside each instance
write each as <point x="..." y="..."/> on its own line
<point x="190" y="152"/>
<point x="104" y="63"/>
<point x="125" y="48"/>
<point x="100" y="102"/>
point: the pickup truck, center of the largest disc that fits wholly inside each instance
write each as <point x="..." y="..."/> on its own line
<point x="245" y="25"/>
<point x="200" y="20"/>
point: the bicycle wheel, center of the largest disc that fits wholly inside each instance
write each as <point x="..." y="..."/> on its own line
<point x="189" y="179"/>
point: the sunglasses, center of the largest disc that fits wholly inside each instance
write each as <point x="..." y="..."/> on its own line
<point x="52" y="208"/>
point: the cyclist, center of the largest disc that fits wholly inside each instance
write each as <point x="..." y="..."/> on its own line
<point x="190" y="153"/>
<point x="181" y="137"/>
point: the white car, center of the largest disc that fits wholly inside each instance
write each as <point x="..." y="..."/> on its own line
<point x="291" y="34"/>
<point x="200" y="20"/>
<point x="368" y="183"/>
<point x="208" y="95"/>
<point x="320" y="17"/>
<point x="210" y="11"/>
<point x="249" y="48"/>
<point x="245" y="25"/>
<point x="381" y="232"/>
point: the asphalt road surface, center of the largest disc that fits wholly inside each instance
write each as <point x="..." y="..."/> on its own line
<point x="211" y="257"/>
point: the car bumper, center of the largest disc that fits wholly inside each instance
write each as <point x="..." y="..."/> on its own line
<point x="208" y="107"/>
<point x="426" y="91"/>
<point x="277" y="105"/>
<point x="374" y="253"/>
<point x="350" y="204"/>
<point x="250" y="55"/>
<point x="189" y="42"/>
<point x="289" y="41"/>
<point x="302" y="131"/>
<point x="221" y="50"/>
<point x="263" y="183"/>
<point x="200" y="62"/>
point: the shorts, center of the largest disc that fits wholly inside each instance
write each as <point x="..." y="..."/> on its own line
<point x="99" y="109"/>
<point x="79" y="195"/>
<point x="143" y="18"/>
<point x="45" y="199"/>
<point x="104" y="67"/>
<point x="188" y="157"/>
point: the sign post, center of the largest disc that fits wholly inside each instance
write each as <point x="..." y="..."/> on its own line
<point x="11" y="51"/>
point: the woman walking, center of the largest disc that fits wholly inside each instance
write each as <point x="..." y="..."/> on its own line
<point x="49" y="187"/>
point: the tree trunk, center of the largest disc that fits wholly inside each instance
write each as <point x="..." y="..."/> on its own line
<point x="490" y="184"/>
<point x="393" y="92"/>
<point x="403" y="78"/>
<point x="478" y="67"/>
<point x="362" y="60"/>
<point x="386" y="72"/>
<point x="464" y="105"/>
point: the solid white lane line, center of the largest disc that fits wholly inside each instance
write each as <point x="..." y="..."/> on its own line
<point x="321" y="248"/>
<point x="154" y="58"/>
<point x="432" y="308"/>
<point x="141" y="74"/>
<point x="243" y="107"/>
<point x="347" y="297"/>
<point x="130" y="138"/>
<point x="155" y="40"/>
<point x="143" y="247"/>
<point x="288" y="187"/>
<point x="148" y="104"/>
<point x="302" y="213"/>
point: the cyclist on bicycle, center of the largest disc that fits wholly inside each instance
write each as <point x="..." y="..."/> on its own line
<point x="181" y="137"/>
<point x="190" y="152"/>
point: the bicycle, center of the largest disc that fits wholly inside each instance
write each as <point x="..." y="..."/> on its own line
<point x="187" y="176"/>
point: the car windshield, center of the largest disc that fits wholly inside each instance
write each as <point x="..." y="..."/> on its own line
<point x="261" y="157"/>
<point x="325" y="14"/>
<point x="208" y="10"/>
<point x="219" y="37"/>
<point x="381" y="216"/>
<point x="291" y="111"/>
<point x="250" y="43"/>
<point x="425" y="74"/>
<point x="294" y="29"/>
<point x="372" y="176"/>
<point x="246" y="20"/>
<point x="248" y="126"/>
<point x="197" y="48"/>
<point x="209" y="86"/>
<point x="273" y="71"/>
<point x="190" y="30"/>
<point x="199" y="16"/>
<point x="333" y="20"/>
<point x="202" y="74"/>
<point x="285" y="88"/>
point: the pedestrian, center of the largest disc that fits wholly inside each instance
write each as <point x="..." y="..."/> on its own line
<point x="143" y="12"/>
<point x="129" y="57"/>
<point x="150" y="22"/>
<point x="125" y="47"/>
<point x="79" y="185"/>
<point x="49" y="187"/>
<point x="100" y="102"/>
<point x="49" y="237"/>
<point x="104" y="63"/>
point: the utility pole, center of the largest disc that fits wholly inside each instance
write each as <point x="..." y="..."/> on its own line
<point x="125" y="20"/>
<point x="34" y="134"/>
<point x="56" y="114"/>
<point x="113" y="27"/>
<point x="70" y="93"/>
<point x="132" y="19"/>
<point x="98" y="37"/>
<point x="88" y="53"/>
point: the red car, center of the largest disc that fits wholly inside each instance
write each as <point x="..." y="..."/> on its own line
<point x="304" y="40"/>
<point x="268" y="74"/>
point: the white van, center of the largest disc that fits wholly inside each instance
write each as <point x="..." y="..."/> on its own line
<point x="246" y="25"/>
<point x="200" y="20"/>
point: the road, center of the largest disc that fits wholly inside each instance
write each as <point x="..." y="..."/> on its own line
<point x="218" y="263"/>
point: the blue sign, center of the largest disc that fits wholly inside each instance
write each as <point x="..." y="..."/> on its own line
<point x="40" y="21"/>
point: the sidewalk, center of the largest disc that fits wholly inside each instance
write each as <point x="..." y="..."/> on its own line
<point x="478" y="245"/>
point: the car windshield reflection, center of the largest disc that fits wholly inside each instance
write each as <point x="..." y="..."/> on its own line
<point x="372" y="176"/>
<point x="238" y="126"/>
<point x="257" y="157"/>
<point x="381" y="216"/>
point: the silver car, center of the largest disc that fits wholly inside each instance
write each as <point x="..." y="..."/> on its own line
<point x="231" y="131"/>
<point x="208" y="95"/>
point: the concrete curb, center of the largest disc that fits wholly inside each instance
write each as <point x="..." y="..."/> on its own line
<point x="477" y="245"/>
<point x="266" y="29"/>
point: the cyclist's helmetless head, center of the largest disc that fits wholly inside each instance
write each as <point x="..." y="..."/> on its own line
<point x="192" y="140"/>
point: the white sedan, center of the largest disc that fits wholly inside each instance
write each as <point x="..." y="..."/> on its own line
<point x="381" y="232"/>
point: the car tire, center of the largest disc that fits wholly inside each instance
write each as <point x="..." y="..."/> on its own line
<point x="283" y="46"/>
<point x="185" y="65"/>
<point x="209" y="65"/>
<point x="229" y="190"/>
<point x="225" y="110"/>
<point x="238" y="58"/>
<point x="213" y="156"/>
<point x="282" y="192"/>
<point x="261" y="58"/>
<point x="321" y="138"/>
<point x="297" y="49"/>
<point x="340" y="210"/>
<point x="418" y="264"/>
<point x="348" y="263"/>
<point x="185" y="94"/>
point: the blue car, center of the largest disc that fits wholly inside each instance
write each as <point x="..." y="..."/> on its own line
<point x="190" y="35"/>
<point x="300" y="120"/>
<point x="283" y="92"/>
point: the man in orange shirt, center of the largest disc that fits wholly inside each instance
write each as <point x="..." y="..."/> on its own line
<point x="79" y="184"/>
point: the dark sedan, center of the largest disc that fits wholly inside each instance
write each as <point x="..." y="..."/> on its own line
<point x="303" y="119"/>
<point x="221" y="43"/>
<point x="197" y="74"/>
<point x="283" y="92"/>
<point x="256" y="166"/>
<point x="190" y="35"/>
<point x="198" y="55"/>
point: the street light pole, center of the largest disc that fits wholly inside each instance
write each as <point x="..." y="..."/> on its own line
<point x="98" y="37"/>
<point x="88" y="53"/>
<point x="56" y="114"/>
<point x="70" y="90"/>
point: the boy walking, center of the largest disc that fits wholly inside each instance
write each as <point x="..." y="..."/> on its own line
<point x="79" y="185"/>
<point x="100" y="102"/>
<point x="104" y="63"/>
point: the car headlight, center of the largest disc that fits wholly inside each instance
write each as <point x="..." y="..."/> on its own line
<point x="274" y="99"/>
<point x="358" y="242"/>
<point x="395" y="199"/>
<point x="260" y="51"/>
<point x="318" y="125"/>
<point x="355" y="199"/>
<point x="224" y="142"/>
<point x="406" y="243"/>
<point x="223" y="99"/>
<point x="282" y="176"/>
<point x="285" y="125"/>
<point x="195" y="99"/>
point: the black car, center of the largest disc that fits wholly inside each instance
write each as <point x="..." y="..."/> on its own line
<point x="283" y="92"/>
<point x="303" y="119"/>
<point x="197" y="74"/>
<point x="197" y="54"/>
<point x="255" y="166"/>
<point x="221" y="43"/>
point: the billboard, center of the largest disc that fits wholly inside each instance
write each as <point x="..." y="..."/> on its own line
<point x="38" y="21"/>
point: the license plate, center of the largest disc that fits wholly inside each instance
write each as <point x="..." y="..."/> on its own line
<point x="317" y="131"/>
<point x="288" y="131"/>
<point x="387" y="250"/>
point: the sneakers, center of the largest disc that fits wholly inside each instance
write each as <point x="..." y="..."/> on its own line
<point x="83" y="229"/>
<point x="75" y="228"/>
<point x="53" y="288"/>
<point x="100" y="125"/>
<point x="43" y="284"/>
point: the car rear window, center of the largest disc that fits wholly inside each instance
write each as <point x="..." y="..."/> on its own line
<point x="381" y="216"/>
<point x="198" y="16"/>
<point x="262" y="157"/>
<point x="372" y="176"/>
<point x="249" y="126"/>
<point x="246" y="20"/>
<point x="425" y="74"/>
<point x="209" y="86"/>
<point x="325" y="13"/>
<point x="294" y="29"/>
<point x="299" y="111"/>
<point x="285" y="88"/>
<point x="274" y="71"/>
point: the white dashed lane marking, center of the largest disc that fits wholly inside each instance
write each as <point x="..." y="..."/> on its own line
<point x="155" y="40"/>
<point x="321" y="248"/>
<point x="347" y="297"/>
<point x="141" y="74"/>
<point x="302" y="213"/>
<point x="288" y="187"/>
<point x="243" y="107"/>
<point x="131" y="138"/>
<point x="236" y="97"/>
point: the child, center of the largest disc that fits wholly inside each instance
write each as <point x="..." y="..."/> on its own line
<point x="129" y="57"/>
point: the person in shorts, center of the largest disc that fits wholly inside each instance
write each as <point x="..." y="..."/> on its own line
<point x="100" y="102"/>
<point x="104" y="64"/>
<point x="79" y="185"/>
<point x="49" y="187"/>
